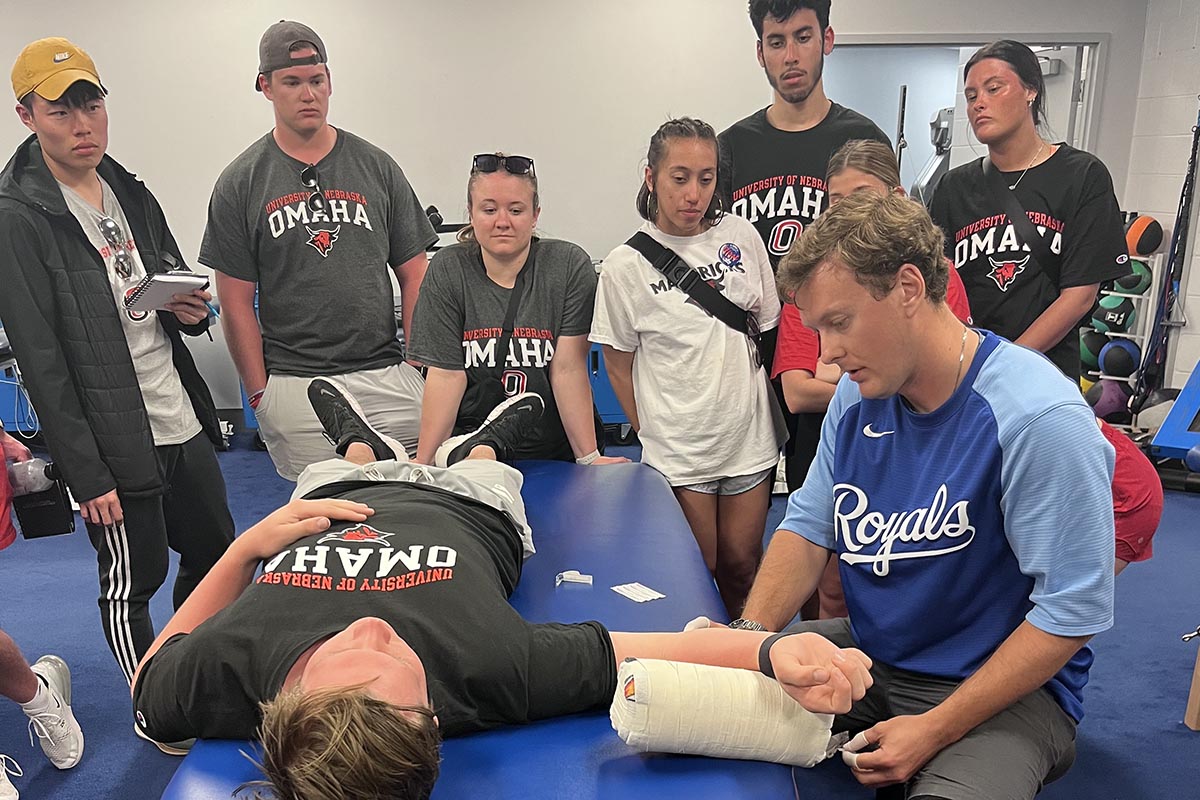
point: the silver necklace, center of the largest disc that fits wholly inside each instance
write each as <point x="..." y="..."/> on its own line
<point x="962" y="351"/>
<point x="1035" y="158"/>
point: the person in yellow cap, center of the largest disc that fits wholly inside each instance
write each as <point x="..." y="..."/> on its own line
<point x="126" y="415"/>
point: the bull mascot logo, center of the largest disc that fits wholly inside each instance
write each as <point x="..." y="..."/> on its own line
<point x="1005" y="272"/>
<point x="322" y="239"/>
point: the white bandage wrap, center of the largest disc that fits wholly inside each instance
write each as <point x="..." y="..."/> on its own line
<point x="673" y="707"/>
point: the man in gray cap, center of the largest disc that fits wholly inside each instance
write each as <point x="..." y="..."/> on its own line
<point x="311" y="216"/>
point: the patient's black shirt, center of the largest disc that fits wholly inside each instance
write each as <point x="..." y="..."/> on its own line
<point x="438" y="568"/>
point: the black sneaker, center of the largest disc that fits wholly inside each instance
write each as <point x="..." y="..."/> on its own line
<point x="509" y="424"/>
<point x="345" y="422"/>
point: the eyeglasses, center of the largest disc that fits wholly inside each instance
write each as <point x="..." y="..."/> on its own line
<point x="490" y="162"/>
<point x="115" y="237"/>
<point x="311" y="180"/>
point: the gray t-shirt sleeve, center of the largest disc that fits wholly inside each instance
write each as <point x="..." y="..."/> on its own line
<point x="410" y="231"/>
<point x="226" y="246"/>
<point x="437" y="330"/>
<point x="580" y="296"/>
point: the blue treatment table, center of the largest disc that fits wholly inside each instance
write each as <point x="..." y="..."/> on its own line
<point x="619" y="524"/>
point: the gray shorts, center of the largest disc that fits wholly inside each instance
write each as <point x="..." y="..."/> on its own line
<point x="1008" y="757"/>
<point x="390" y="397"/>
<point x="739" y="484"/>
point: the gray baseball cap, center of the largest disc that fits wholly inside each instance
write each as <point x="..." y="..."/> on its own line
<point x="274" y="50"/>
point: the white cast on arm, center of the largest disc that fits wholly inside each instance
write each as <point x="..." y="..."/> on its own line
<point x="676" y="707"/>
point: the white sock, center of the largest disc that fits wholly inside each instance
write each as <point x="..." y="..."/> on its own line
<point x="42" y="700"/>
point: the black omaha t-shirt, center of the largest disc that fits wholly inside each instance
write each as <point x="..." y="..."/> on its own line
<point x="438" y="568"/>
<point x="1069" y="198"/>
<point x="776" y="179"/>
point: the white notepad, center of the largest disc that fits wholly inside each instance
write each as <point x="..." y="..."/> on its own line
<point x="155" y="290"/>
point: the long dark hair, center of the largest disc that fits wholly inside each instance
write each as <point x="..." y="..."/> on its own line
<point x="1024" y="62"/>
<point x="681" y="128"/>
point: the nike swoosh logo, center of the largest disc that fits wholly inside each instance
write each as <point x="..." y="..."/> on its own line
<point x="61" y="57"/>
<point x="874" y="434"/>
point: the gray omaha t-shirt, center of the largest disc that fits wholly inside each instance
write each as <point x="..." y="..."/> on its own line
<point x="458" y="322"/>
<point x="325" y="300"/>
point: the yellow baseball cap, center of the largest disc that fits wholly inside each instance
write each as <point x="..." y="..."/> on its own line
<point x="50" y="66"/>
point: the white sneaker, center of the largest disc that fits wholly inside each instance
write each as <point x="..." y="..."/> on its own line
<point x="7" y="790"/>
<point x="56" y="728"/>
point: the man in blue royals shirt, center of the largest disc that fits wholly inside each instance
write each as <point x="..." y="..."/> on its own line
<point x="965" y="490"/>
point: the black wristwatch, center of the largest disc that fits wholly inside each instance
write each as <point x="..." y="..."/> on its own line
<point x="743" y="624"/>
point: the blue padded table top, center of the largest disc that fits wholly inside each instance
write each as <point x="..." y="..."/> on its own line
<point x="619" y="524"/>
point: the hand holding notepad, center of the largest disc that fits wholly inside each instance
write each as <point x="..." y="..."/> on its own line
<point x="157" y="289"/>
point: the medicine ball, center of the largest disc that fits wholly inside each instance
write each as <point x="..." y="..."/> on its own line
<point x="1120" y="358"/>
<point x="1092" y="395"/>
<point x="1091" y="342"/>
<point x="1113" y="403"/>
<point x="1192" y="459"/>
<point x="1143" y="235"/>
<point x="1137" y="281"/>
<point x="1114" y="315"/>
<point x="1085" y="385"/>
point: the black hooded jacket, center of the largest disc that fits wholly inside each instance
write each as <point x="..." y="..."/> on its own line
<point x="58" y="309"/>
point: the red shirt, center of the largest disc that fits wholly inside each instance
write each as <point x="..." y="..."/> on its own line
<point x="799" y="347"/>
<point x="8" y="531"/>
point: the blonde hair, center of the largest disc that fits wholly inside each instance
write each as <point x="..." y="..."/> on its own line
<point x="868" y="156"/>
<point x="343" y="744"/>
<point x="467" y="232"/>
<point x="873" y="236"/>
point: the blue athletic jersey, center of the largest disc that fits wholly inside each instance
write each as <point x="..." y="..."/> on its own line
<point x="954" y="526"/>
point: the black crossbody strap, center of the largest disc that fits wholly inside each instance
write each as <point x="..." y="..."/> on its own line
<point x="1027" y="233"/>
<point x="678" y="273"/>
<point x="510" y="315"/>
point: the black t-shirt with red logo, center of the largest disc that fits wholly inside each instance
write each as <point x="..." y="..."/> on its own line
<point x="1069" y="198"/>
<point x="439" y="568"/>
<point x="776" y="179"/>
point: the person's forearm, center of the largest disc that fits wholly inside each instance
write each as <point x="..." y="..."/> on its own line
<point x="619" y="366"/>
<point x="223" y="584"/>
<point x="805" y="393"/>
<point x="718" y="647"/>
<point x="1059" y="319"/>
<point x="244" y="340"/>
<point x="1023" y="662"/>
<point x="409" y="277"/>
<point x="788" y="576"/>
<point x="573" y="396"/>
<point x="444" y="390"/>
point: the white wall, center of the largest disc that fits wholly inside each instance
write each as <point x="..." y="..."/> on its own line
<point x="578" y="85"/>
<point x="868" y="79"/>
<point x="1162" y="138"/>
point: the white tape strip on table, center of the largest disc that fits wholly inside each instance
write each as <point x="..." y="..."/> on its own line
<point x="638" y="592"/>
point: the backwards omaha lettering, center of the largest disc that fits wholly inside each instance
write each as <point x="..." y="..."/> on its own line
<point x="370" y="565"/>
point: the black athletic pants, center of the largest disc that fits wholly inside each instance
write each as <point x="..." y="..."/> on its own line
<point x="191" y="517"/>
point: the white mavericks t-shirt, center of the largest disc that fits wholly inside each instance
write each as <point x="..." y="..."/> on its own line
<point x="701" y="398"/>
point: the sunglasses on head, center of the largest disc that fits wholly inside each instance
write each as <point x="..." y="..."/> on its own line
<point x="490" y="162"/>
<point x="311" y="180"/>
<point x="115" y="237"/>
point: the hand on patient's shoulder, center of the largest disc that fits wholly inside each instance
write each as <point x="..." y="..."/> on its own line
<point x="819" y="675"/>
<point x="298" y="519"/>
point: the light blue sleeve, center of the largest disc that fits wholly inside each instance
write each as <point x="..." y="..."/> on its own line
<point x="810" y="508"/>
<point x="1056" y="484"/>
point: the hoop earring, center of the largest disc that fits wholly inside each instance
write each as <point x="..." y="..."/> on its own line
<point x="652" y="205"/>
